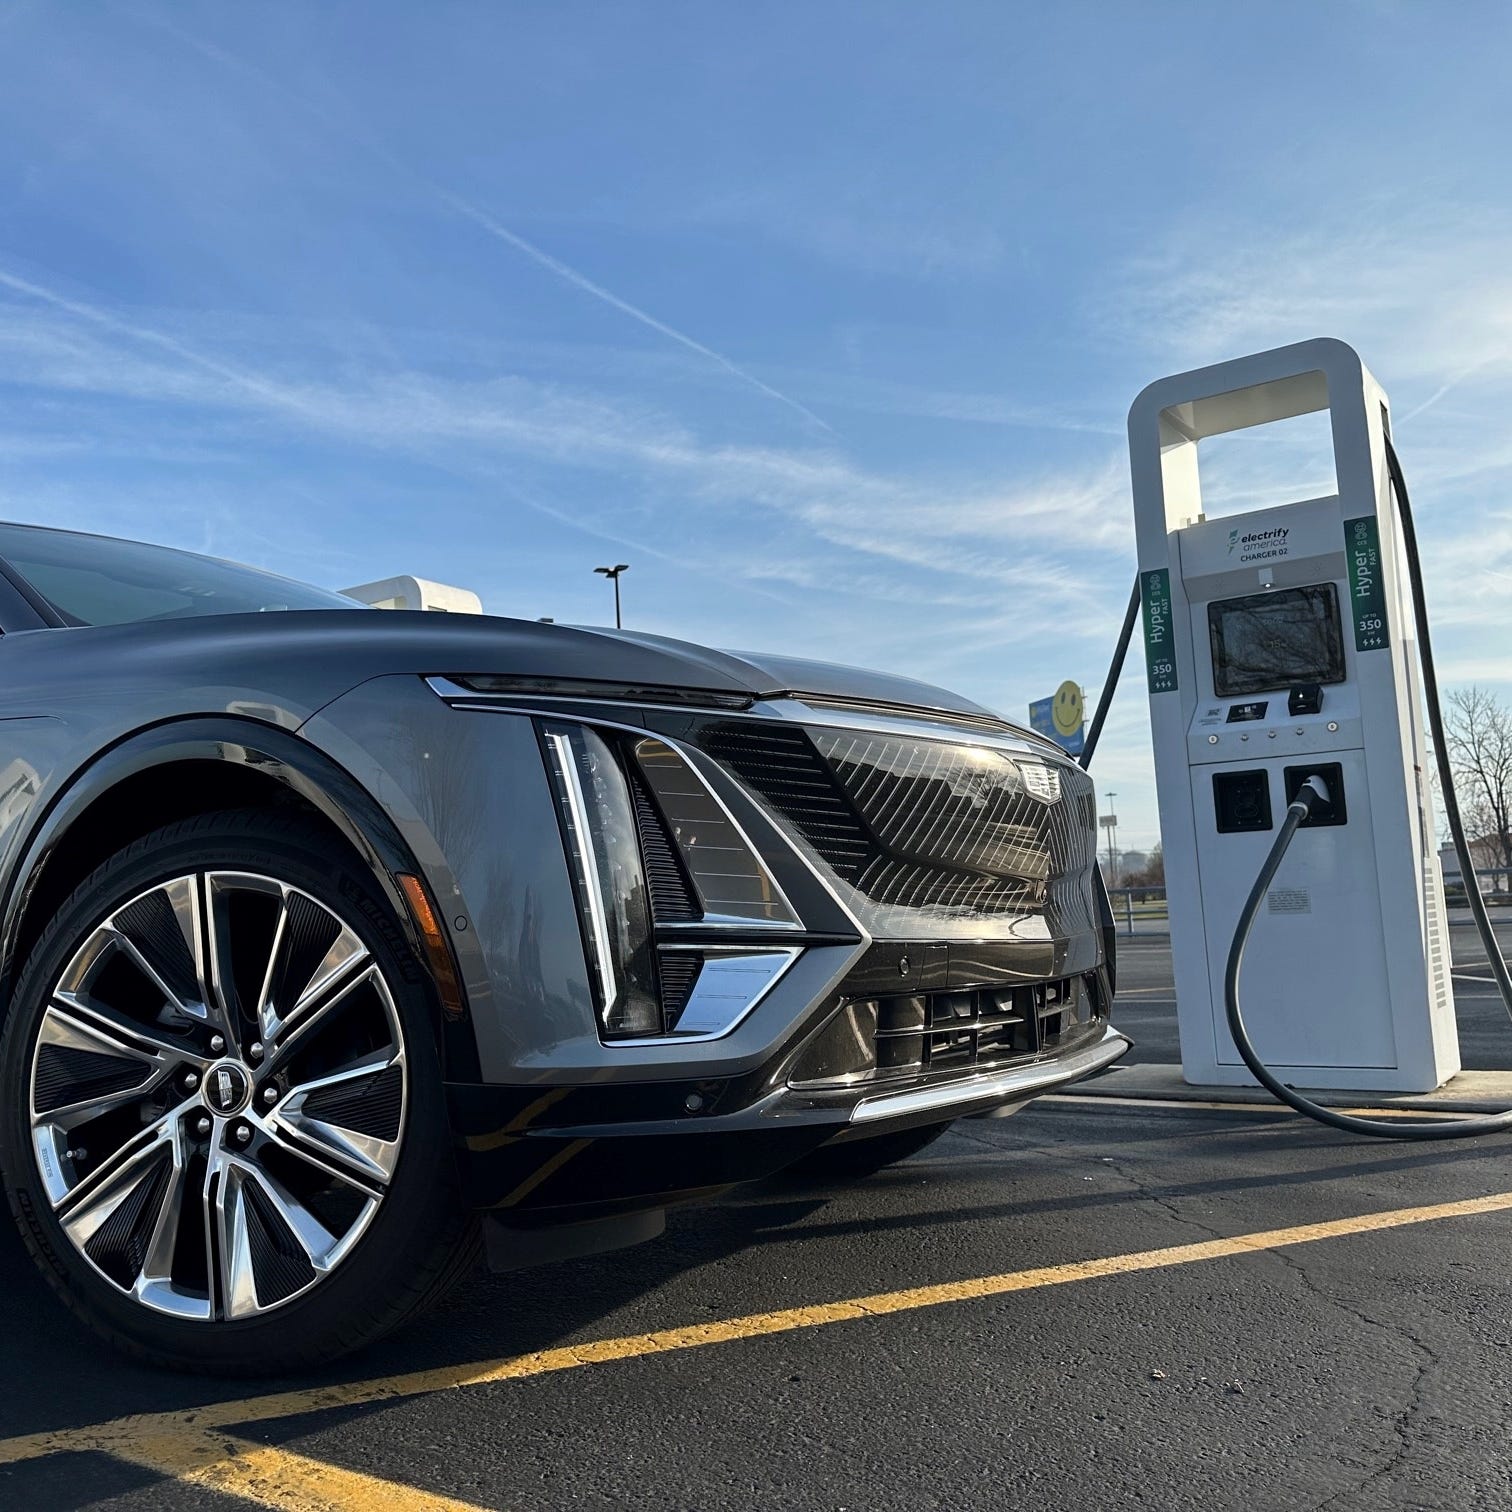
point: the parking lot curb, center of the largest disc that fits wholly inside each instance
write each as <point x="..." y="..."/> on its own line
<point x="1468" y="1092"/>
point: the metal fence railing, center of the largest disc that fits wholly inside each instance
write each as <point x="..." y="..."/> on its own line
<point x="1133" y="906"/>
<point x="1495" y="885"/>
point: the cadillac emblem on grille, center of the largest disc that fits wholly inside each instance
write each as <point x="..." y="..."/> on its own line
<point x="1041" y="782"/>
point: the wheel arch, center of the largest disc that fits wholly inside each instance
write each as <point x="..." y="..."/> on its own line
<point x="184" y="767"/>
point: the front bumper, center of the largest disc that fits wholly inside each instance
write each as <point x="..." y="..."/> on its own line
<point x="993" y="1089"/>
<point x="468" y="790"/>
<point x="580" y="1152"/>
<point x="927" y="887"/>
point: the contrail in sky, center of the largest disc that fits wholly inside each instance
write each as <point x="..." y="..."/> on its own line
<point x="272" y="393"/>
<point x="1445" y="388"/>
<point x="479" y="217"/>
<point x="278" y="396"/>
<point x="578" y="280"/>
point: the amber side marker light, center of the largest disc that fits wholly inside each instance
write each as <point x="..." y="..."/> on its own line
<point x="437" y="951"/>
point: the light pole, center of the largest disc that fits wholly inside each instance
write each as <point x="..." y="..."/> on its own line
<point x="1110" y="823"/>
<point x="613" y="574"/>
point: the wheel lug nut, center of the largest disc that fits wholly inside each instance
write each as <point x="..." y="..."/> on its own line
<point x="243" y="1133"/>
<point x="255" y="1050"/>
<point x="270" y="1094"/>
<point x="217" y="1043"/>
<point x="191" y="1080"/>
<point x="202" y="1126"/>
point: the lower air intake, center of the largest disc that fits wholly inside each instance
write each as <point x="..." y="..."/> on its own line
<point x="935" y="1033"/>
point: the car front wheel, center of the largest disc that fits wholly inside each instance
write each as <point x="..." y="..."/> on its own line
<point x="223" y="1133"/>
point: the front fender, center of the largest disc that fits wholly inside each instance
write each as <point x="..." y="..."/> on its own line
<point x="271" y="752"/>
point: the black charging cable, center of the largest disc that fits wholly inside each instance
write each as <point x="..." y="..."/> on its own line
<point x="1312" y="791"/>
<point x="1381" y="1128"/>
<point x="1115" y="668"/>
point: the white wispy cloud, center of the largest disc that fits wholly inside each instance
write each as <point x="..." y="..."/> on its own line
<point x="1424" y="293"/>
<point x="980" y="529"/>
<point x="252" y="384"/>
<point x="470" y="210"/>
<point x="1425" y="285"/>
<point x="858" y="226"/>
<point x="864" y="393"/>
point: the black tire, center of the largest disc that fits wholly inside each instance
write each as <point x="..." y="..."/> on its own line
<point x="414" y="1239"/>
<point x="857" y="1159"/>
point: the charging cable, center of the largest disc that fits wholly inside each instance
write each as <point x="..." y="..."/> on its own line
<point x="1314" y="790"/>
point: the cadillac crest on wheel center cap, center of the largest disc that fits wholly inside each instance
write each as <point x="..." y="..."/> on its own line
<point x="228" y="1088"/>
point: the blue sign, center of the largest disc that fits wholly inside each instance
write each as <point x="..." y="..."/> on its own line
<point x="1042" y="719"/>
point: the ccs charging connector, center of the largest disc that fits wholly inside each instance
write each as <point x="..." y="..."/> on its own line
<point x="1326" y="783"/>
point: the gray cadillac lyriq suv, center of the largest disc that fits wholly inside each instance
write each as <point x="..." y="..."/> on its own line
<point x="332" y="939"/>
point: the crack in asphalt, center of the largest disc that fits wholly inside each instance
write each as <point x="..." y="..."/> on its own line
<point x="1402" y="1423"/>
<point x="1166" y="1204"/>
<point x="1427" y="1359"/>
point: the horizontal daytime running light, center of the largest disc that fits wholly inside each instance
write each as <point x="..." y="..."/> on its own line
<point x="610" y="692"/>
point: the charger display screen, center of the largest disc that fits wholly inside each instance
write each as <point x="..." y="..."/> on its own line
<point x="1268" y="641"/>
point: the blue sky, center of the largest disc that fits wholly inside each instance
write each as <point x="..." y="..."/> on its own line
<point x="824" y="317"/>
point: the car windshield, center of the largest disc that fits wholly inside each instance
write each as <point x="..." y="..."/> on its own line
<point x="97" y="580"/>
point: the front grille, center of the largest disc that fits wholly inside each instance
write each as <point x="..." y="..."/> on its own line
<point x="781" y="765"/>
<point x="961" y="807"/>
<point x="920" y="1034"/>
<point x="906" y="884"/>
<point x="925" y="826"/>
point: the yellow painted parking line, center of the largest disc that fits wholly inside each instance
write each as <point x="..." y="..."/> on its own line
<point x="514" y="1130"/>
<point x="150" y="1438"/>
<point x="274" y="1477"/>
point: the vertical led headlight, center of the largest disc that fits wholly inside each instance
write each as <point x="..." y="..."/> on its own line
<point x="603" y="853"/>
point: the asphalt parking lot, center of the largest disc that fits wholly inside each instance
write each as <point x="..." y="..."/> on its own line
<point x="1090" y="1305"/>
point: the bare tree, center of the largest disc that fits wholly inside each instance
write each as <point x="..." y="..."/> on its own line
<point x="1478" y="733"/>
<point x="1152" y="874"/>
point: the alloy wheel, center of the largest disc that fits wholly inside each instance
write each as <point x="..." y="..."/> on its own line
<point x="218" y="1088"/>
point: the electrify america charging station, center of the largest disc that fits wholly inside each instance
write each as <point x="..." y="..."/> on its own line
<point x="1280" y="644"/>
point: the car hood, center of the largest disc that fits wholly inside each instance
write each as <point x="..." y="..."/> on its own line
<point x="528" y="648"/>
<point x="766" y="674"/>
<point x="315" y="655"/>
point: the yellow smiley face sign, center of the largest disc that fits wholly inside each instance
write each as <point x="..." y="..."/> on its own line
<point x="1066" y="709"/>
